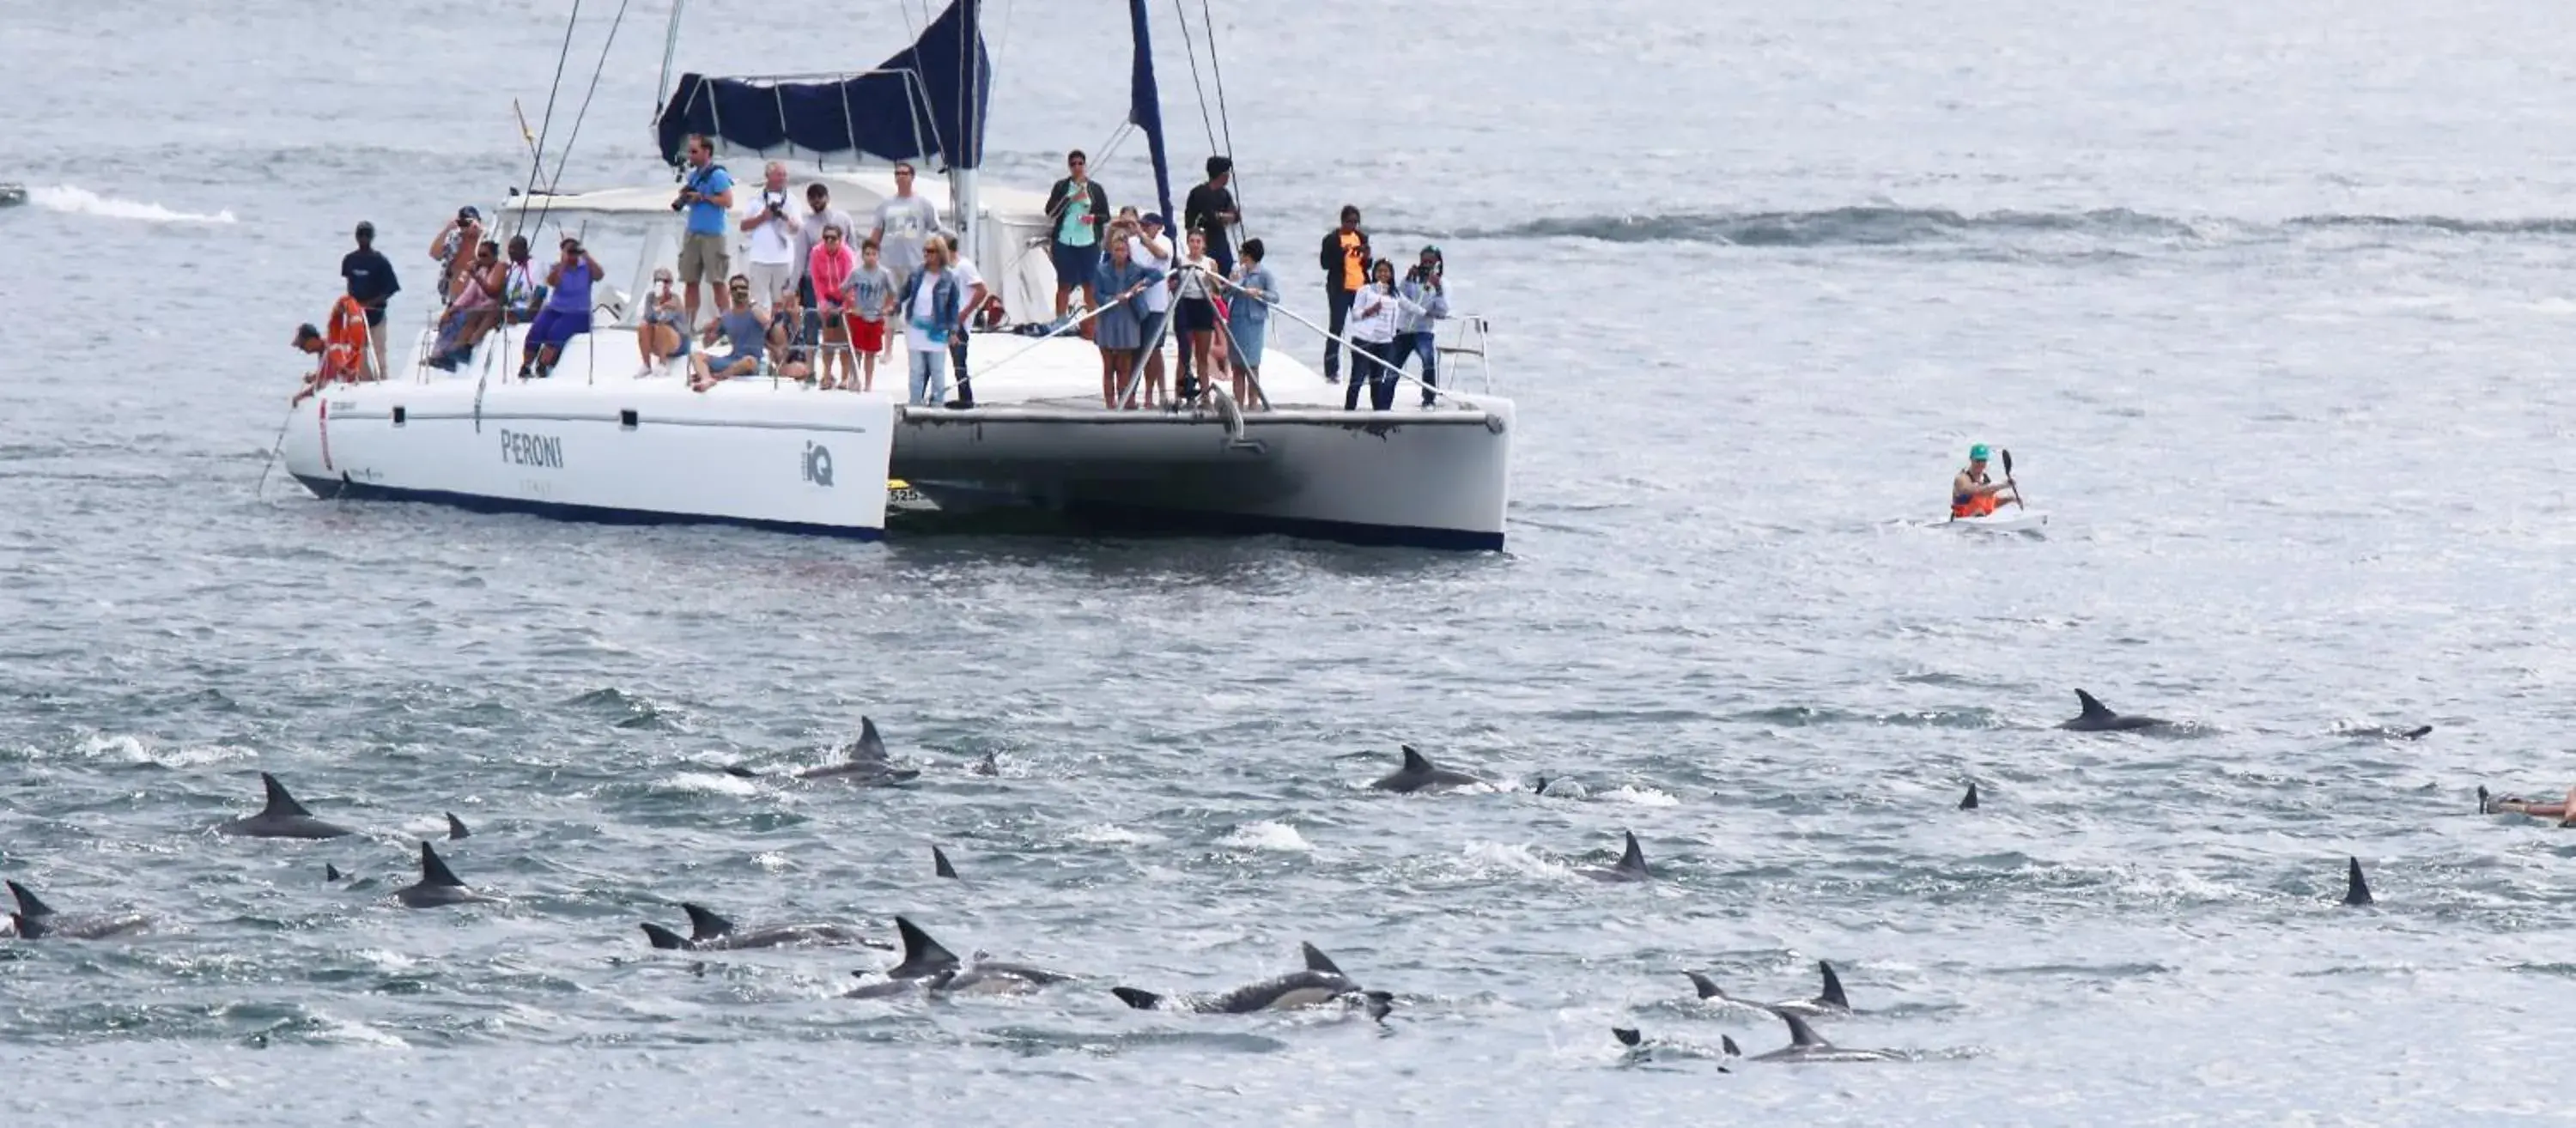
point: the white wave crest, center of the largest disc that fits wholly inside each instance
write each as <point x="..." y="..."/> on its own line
<point x="136" y="750"/>
<point x="81" y="201"/>
<point x="1638" y="796"/>
<point x="1276" y="836"/>
<point x="1105" y="834"/>
<point x="1488" y="858"/>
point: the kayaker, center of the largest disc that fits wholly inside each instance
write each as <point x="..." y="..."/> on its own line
<point x="1971" y="494"/>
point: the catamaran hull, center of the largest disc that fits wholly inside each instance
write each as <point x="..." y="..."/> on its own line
<point x="1435" y="479"/>
<point x="628" y="452"/>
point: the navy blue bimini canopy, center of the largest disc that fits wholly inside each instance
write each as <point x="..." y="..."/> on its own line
<point x="927" y="101"/>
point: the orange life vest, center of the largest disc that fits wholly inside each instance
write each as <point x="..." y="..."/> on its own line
<point x="1973" y="505"/>
<point x="345" y="342"/>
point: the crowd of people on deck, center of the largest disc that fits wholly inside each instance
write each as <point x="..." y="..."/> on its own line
<point x="816" y="298"/>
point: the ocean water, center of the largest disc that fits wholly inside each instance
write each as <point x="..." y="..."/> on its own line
<point x="2269" y="301"/>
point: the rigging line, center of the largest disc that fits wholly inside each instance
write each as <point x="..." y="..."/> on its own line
<point x="1224" y="120"/>
<point x="538" y="166"/>
<point x="584" y="114"/>
<point x="1191" y="45"/>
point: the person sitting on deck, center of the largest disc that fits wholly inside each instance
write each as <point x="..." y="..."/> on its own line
<point x="791" y="336"/>
<point x="1971" y="493"/>
<point x="475" y="311"/>
<point x="745" y="332"/>
<point x="522" y="295"/>
<point x="663" y="336"/>
<point x="567" y="311"/>
<point x="343" y="350"/>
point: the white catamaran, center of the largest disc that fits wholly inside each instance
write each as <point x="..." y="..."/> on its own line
<point x="596" y="442"/>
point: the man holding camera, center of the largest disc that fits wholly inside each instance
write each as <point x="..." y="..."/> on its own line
<point x="772" y="236"/>
<point x="707" y="196"/>
<point x="1426" y="301"/>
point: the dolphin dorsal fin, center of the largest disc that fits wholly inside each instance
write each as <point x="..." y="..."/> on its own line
<point x="1316" y="960"/>
<point x="2093" y="707"/>
<point x="939" y="866"/>
<point x="1969" y="803"/>
<point x="330" y="872"/>
<point x="1634" y="860"/>
<point x="921" y="954"/>
<point x="704" y="924"/>
<point x="1801" y="1034"/>
<point x="28" y="905"/>
<point x="2355" y="890"/>
<point x="1727" y="1042"/>
<point x="1627" y="1036"/>
<point x="1141" y="1000"/>
<point x="1707" y="988"/>
<point x="1416" y="761"/>
<point x="664" y="938"/>
<point x="1832" y="995"/>
<point x="869" y="746"/>
<point x="280" y="804"/>
<point x="456" y="828"/>
<point x="435" y="872"/>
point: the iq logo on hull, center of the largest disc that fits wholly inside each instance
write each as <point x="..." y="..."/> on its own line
<point x="818" y="464"/>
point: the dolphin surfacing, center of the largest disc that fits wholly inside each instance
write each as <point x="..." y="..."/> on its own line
<point x="1829" y="999"/>
<point x="1319" y="983"/>
<point x="2098" y="717"/>
<point x="933" y="969"/>
<point x="438" y="886"/>
<point x="709" y="932"/>
<point x="282" y="817"/>
<point x="36" y="920"/>
<point x="864" y="762"/>
<point x="1631" y="866"/>
<point x="1419" y="774"/>
<point x="1806" y="1046"/>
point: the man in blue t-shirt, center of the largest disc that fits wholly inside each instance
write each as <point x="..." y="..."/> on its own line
<point x="707" y="195"/>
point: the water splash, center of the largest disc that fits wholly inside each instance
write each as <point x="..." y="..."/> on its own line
<point x="73" y="200"/>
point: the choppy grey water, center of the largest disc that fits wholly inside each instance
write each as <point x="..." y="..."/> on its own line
<point x="2269" y="301"/>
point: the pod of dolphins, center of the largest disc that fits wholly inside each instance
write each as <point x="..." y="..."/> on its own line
<point x="929" y="969"/>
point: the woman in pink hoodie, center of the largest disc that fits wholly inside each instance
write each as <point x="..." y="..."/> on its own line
<point x="830" y="266"/>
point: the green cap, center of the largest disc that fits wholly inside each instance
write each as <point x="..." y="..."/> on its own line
<point x="1978" y="453"/>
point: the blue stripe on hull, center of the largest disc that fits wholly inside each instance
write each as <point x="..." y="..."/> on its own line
<point x="1144" y="520"/>
<point x="1106" y="517"/>
<point x="555" y="510"/>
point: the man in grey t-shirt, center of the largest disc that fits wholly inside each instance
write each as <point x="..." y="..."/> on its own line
<point x="904" y="220"/>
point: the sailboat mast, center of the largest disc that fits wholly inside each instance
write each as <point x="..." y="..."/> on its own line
<point x="962" y="174"/>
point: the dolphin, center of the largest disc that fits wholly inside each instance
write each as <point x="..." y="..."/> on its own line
<point x="1805" y="1045"/>
<point x="1631" y="867"/>
<point x="1830" y="1000"/>
<point x="936" y="970"/>
<point x="283" y="817"/>
<point x="2356" y="892"/>
<point x="939" y="866"/>
<point x="438" y="886"/>
<point x="330" y="872"/>
<point x="456" y="828"/>
<point x="1635" y="1040"/>
<point x="985" y="767"/>
<point x="711" y="933"/>
<point x="864" y="762"/>
<point x="2386" y="732"/>
<point x="36" y="920"/>
<point x="1560" y="788"/>
<point x="1969" y="803"/>
<point x="1420" y="774"/>
<point x="2098" y="717"/>
<point x="1321" y="982"/>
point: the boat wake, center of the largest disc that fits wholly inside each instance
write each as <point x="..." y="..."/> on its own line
<point x="1882" y="226"/>
<point x="81" y="201"/>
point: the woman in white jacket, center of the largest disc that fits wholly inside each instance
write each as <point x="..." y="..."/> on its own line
<point x="1374" y="313"/>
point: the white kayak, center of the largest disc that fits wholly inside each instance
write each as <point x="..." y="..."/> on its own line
<point x="2004" y="521"/>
